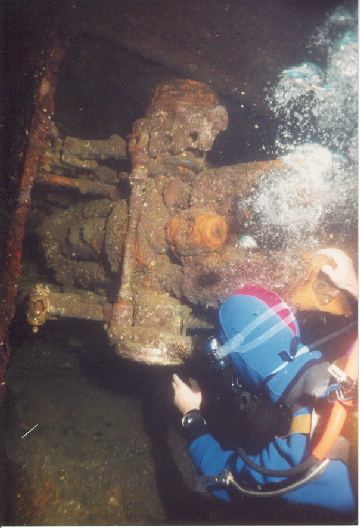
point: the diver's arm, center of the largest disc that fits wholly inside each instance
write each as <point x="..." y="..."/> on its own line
<point x="331" y="490"/>
<point x="210" y="459"/>
<point x="206" y="453"/>
<point x="204" y="449"/>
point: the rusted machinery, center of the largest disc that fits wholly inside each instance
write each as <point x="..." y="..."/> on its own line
<point x="43" y="110"/>
<point x="164" y="239"/>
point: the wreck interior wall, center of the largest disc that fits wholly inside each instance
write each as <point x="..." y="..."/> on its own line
<point x="102" y="89"/>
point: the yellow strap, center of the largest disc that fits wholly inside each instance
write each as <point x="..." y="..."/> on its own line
<point x="300" y="424"/>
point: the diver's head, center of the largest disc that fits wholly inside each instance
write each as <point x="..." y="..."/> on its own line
<point x="259" y="334"/>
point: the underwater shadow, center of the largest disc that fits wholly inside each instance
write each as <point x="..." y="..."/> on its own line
<point x="181" y="503"/>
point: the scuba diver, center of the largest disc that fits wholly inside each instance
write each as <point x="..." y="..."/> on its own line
<point x="259" y="338"/>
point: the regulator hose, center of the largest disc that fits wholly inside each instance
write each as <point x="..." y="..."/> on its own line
<point x="287" y="473"/>
<point x="332" y="431"/>
<point x="230" y="480"/>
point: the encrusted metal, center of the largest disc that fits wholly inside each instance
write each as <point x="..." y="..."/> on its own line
<point x="174" y="243"/>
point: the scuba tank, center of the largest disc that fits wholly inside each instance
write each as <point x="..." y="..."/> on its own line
<point x="259" y="340"/>
<point x="320" y="456"/>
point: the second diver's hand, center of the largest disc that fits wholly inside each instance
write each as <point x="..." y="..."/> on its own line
<point x="343" y="274"/>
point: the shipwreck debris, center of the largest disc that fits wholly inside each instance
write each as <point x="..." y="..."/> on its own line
<point x="46" y="304"/>
<point x="173" y="242"/>
<point x="93" y="188"/>
<point x="38" y="135"/>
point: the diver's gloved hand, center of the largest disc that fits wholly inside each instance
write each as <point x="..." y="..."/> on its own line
<point x="343" y="275"/>
<point x="186" y="397"/>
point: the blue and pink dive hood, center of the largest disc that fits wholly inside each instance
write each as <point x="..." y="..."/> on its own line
<point x="260" y="336"/>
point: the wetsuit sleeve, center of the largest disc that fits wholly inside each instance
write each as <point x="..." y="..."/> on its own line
<point x="331" y="490"/>
<point x="210" y="459"/>
<point x="207" y="455"/>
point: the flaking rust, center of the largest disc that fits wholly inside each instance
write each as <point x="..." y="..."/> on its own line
<point x="38" y="132"/>
<point x="174" y="243"/>
<point x="182" y="245"/>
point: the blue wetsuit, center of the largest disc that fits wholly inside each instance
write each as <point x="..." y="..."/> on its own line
<point x="332" y="489"/>
<point x="259" y="337"/>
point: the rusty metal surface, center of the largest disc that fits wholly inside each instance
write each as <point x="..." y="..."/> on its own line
<point x="94" y="149"/>
<point x="83" y="186"/>
<point x="157" y="334"/>
<point x="181" y="123"/>
<point x="210" y="278"/>
<point x="221" y="188"/>
<point x="160" y="205"/>
<point x="196" y="231"/>
<point x="79" y="241"/>
<point x="176" y="244"/>
<point x="45" y="304"/>
<point x="238" y="48"/>
<point x="39" y="128"/>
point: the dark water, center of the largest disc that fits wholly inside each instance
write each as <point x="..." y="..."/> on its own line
<point x="107" y="448"/>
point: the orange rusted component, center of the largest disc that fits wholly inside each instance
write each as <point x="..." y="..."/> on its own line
<point x="173" y="228"/>
<point x="122" y="315"/>
<point x="194" y="231"/>
<point x="83" y="186"/>
<point x="139" y="257"/>
<point x="306" y="298"/>
<point x="175" y="95"/>
<point x="209" y="230"/>
<point x="184" y="117"/>
<point x="57" y="180"/>
<point x="178" y="204"/>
